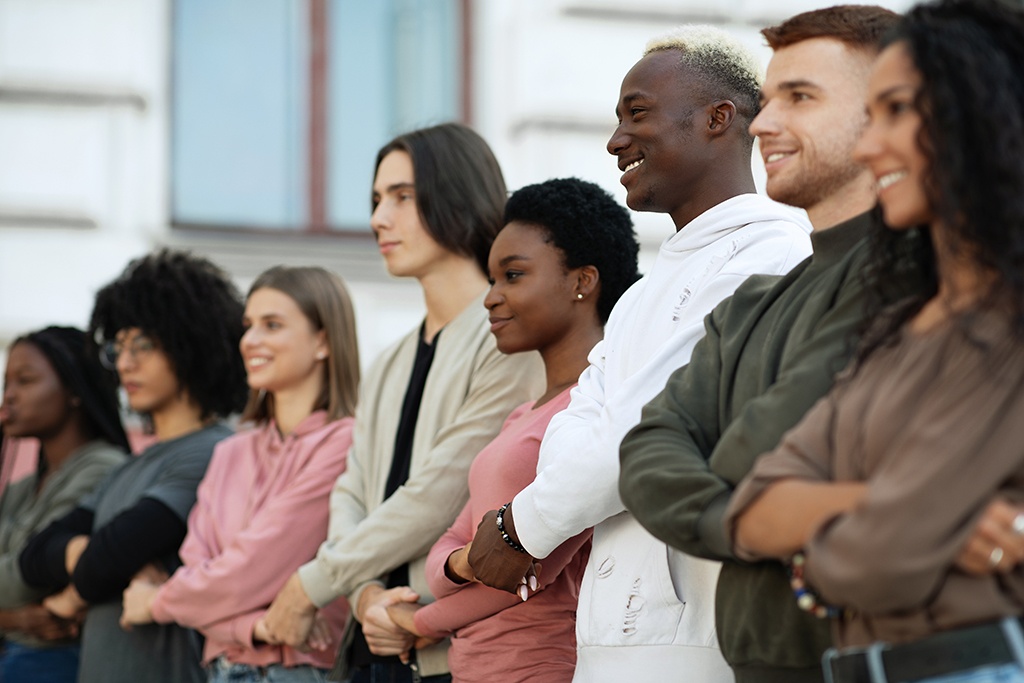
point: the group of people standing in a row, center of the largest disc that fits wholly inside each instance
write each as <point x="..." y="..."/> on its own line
<point x="788" y="439"/>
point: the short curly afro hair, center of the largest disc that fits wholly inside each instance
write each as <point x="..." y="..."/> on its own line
<point x="190" y="308"/>
<point x="588" y="226"/>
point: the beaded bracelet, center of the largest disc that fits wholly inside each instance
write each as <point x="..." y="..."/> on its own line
<point x="805" y="598"/>
<point x="504" y="534"/>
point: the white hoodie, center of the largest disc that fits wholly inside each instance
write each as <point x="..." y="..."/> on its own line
<point x="646" y="612"/>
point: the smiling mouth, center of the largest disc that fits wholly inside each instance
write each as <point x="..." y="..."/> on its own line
<point x="777" y="156"/>
<point x="633" y="165"/>
<point x="890" y="178"/>
<point x="257" y="362"/>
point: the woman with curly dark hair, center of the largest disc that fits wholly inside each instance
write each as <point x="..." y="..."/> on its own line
<point x="56" y="391"/>
<point x="875" y="494"/>
<point x="170" y="324"/>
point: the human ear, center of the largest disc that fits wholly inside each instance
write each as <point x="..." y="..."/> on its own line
<point x="721" y="115"/>
<point x="587" y="278"/>
<point x="322" y="348"/>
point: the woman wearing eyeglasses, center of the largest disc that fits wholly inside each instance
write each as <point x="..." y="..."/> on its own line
<point x="55" y="391"/>
<point x="170" y="324"/>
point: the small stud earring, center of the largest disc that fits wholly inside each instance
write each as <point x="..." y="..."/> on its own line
<point x="579" y="296"/>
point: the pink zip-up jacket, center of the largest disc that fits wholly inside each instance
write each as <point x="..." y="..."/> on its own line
<point x="261" y="513"/>
<point x="497" y="636"/>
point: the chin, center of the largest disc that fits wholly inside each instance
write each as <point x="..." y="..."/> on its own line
<point x="509" y="347"/>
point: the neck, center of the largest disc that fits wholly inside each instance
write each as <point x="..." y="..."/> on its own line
<point x="57" y="448"/>
<point x="448" y="290"/>
<point x="717" y="189"/>
<point x="962" y="281"/>
<point x="178" y="419"/>
<point x="566" y="359"/>
<point x="852" y="199"/>
<point x="295" y="404"/>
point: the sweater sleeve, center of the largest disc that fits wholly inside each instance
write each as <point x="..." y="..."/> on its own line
<point x="894" y="551"/>
<point x="665" y="479"/>
<point x="228" y="587"/>
<point x="364" y="546"/>
<point x="475" y="601"/>
<point x="680" y="464"/>
<point x="42" y="561"/>
<point x="117" y="551"/>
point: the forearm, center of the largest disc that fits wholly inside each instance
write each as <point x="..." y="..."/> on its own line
<point x="117" y="551"/>
<point x="43" y="561"/>
<point x="782" y="520"/>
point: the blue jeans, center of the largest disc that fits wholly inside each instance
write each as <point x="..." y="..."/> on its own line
<point x="23" y="664"/>
<point x="223" y="671"/>
<point x="1002" y="673"/>
<point x="392" y="673"/>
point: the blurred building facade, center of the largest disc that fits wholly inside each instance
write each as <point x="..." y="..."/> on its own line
<point x="246" y="130"/>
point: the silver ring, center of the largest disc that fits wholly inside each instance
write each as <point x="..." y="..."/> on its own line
<point x="995" y="556"/>
<point x="1018" y="524"/>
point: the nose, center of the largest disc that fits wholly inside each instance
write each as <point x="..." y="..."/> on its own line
<point x="248" y="338"/>
<point x="868" y="146"/>
<point x="493" y="297"/>
<point x="125" y="360"/>
<point x="766" y="122"/>
<point x="618" y="141"/>
<point x="380" y="219"/>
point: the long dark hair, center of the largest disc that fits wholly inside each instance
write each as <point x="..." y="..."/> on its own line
<point x="460" y="191"/>
<point x="970" y="55"/>
<point x="84" y="377"/>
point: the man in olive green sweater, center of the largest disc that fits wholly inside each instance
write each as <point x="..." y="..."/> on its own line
<point x="773" y="348"/>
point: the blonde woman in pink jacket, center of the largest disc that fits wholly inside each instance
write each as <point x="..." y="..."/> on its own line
<point x="262" y="507"/>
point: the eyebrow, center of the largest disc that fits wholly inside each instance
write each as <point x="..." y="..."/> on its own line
<point x="889" y="92"/>
<point x="798" y="84"/>
<point x="396" y="187"/>
<point x="630" y="98"/>
<point x="512" y="257"/>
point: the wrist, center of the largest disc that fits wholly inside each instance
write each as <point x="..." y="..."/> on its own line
<point x="457" y="568"/>
<point x="366" y="598"/>
<point x="507" y="528"/>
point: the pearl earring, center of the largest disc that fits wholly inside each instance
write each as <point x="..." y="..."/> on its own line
<point x="579" y="296"/>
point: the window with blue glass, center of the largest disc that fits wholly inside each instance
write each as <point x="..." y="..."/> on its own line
<point x="279" y="106"/>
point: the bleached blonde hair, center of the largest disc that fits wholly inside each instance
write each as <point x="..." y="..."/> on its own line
<point x="726" y="68"/>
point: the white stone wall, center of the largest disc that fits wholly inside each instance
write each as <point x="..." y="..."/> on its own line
<point x="84" y="164"/>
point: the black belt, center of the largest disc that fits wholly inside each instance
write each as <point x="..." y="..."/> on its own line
<point x="944" y="653"/>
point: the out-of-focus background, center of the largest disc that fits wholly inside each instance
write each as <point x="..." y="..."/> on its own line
<point x="246" y="130"/>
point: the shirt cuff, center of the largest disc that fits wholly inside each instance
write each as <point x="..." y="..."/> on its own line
<point x="316" y="581"/>
<point x="711" y="527"/>
<point x="534" y="534"/>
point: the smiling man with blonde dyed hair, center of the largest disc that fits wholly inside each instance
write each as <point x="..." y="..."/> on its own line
<point x="645" y="614"/>
<point x="773" y="348"/>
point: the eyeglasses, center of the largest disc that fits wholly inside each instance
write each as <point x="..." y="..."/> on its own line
<point x="138" y="349"/>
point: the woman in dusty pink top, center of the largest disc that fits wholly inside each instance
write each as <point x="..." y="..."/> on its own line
<point x="883" y="482"/>
<point x="262" y="507"/>
<point x="565" y="255"/>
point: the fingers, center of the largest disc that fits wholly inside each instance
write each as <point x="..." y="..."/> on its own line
<point x="320" y="636"/>
<point x="997" y="542"/>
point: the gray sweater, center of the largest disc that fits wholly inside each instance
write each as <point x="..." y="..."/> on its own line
<point x="24" y="512"/>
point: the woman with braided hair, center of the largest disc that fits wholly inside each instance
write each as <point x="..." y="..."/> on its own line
<point x="56" y="391"/>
